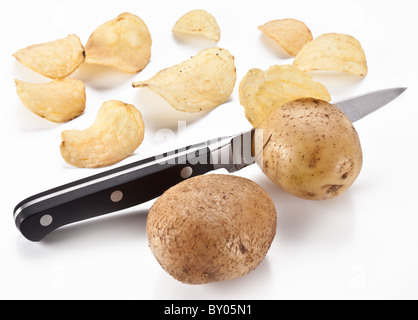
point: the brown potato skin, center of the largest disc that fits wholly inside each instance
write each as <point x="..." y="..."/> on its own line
<point x="310" y="149"/>
<point x="211" y="228"/>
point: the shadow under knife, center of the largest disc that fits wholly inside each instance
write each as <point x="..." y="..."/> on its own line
<point x="117" y="227"/>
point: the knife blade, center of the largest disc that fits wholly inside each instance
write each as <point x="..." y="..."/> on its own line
<point x="147" y="179"/>
<point x="359" y="107"/>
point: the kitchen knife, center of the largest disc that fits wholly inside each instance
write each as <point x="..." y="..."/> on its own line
<point x="139" y="182"/>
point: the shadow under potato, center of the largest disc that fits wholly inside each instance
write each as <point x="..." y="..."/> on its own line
<point x="31" y="122"/>
<point x="197" y="42"/>
<point x="102" y="77"/>
<point x="337" y="82"/>
<point x="328" y="222"/>
<point x="275" y="47"/>
<point x="159" y="114"/>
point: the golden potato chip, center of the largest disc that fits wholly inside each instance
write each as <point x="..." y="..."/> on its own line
<point x="57" y="101"/>
<point x="117" y="132"/>
<point x="123" y="43"/>
<point x="198" y="22"/>
<point x="56" y="60"/>
<point x="201" y="83"/>
<point x="290" y="34"/>
<point x="261" y="92"/>
<point x="333" y="52"/>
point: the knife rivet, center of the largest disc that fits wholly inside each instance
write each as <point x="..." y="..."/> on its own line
<point x="46" y="220"/>
<point x="186" y="172"/>
<point x="116" y="196"/>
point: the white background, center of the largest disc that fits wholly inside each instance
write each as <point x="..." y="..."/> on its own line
<point x="362" y="245"/>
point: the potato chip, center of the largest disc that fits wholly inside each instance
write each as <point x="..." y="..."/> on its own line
<point x="123" y="43"/>
<point x="117" y="132"/>
<point x="200" y="23"/>
<point x="261" y="92"/>
<point x="290" y="34"/>
<point x="201" y="83"/>
<point x="333" y="52"/>
<point x="58" y="101"/>
<point x="56" y="60"/>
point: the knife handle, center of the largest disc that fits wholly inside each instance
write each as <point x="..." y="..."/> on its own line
<point x="110" y="191"/>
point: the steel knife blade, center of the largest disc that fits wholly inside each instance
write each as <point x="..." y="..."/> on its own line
<point x="359" y="107"/>
<point x="144" y="180"/>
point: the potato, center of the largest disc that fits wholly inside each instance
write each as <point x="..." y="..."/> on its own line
<point x="333" y="52"/>
<point x="199" y="23"/>
<point x="211" y="228"/>
<point x="201" y="83"/>
<point x="310" y="149"/>
<point x="117" y="132"/>
<point x="58" y="101"/>
<point x="56" y="60"/>
<point x="123" y="43"/>
<point x="290" y="34"/>
<point x="261" y="92"/>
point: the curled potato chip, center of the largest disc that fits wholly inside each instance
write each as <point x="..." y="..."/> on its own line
<point x="333" y="52"/>
<point x="290" y="34"/>
<point x="58" y="101"/>
<point x="117" y="132"/>
<point x="261" y="92"/>
<point x="201" y="83"/>
<point x="123" y="43"/>
<point x="56" y="60"/>
<point x="198" y="22"/>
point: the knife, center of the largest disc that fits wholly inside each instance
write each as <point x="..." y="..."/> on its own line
<point x="141" y="181"/>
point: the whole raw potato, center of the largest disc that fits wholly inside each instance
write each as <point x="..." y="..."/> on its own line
<point x="211" y="228"/>
<point x="310" y="149"/>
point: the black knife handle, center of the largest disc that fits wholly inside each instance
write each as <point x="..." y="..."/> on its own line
<point x="110" y="191"/>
